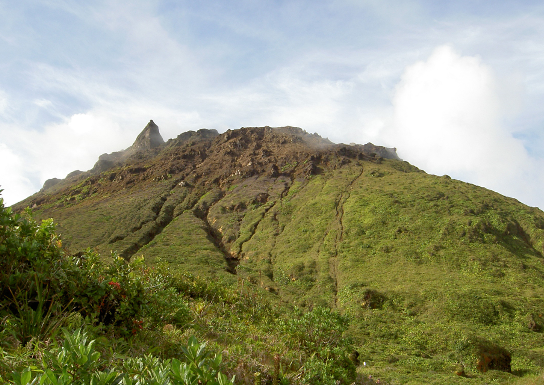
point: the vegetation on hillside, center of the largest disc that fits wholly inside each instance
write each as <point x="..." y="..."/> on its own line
<point x="306" y="264"/>
<point x="75" y="319"/>
<point x="135" y="322"/>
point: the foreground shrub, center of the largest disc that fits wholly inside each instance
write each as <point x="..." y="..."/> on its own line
<point x="111" y="293"/>
<point x="320" y="334"/>
<point x="32" y="272"/>
<point x="77" y="362"/>
<point x="40" y="285"/>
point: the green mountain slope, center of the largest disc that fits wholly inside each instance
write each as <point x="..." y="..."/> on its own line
<point x="429" y="269"/>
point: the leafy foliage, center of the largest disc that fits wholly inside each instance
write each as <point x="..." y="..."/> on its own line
<point x="320" y="334"/>
<point x="77" y="362"/>
<point x="40" y="284"/>
<point x="32" y="272"/>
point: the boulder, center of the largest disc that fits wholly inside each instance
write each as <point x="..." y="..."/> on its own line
<point x="485" y="355"/>
<point x="494" y="358"/>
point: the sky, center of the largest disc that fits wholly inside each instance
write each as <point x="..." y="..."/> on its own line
<point x="456" y="86"/>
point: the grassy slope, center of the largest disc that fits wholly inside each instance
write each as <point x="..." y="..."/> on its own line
<point x="420" y="263"/>
<point x="100" y="221"/>
<point x="184" y="244"/>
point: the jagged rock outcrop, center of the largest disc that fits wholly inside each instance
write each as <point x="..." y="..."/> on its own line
<point x="149" y="138"/>
<point x="193" y="136"/>
<point x="50" y="183"/>
<point x="485" y="355"/>
<point x="287" y="143"/>
<point x="384" y="152"/>
<point x="74" y="173"/>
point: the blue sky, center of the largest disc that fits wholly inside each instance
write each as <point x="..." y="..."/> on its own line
<point x="456" y="87"/>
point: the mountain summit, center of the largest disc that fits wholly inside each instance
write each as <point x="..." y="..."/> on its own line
<point x="146" y="142"/>
<point x="150" y="137"/>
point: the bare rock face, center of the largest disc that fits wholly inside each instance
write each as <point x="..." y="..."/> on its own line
<point x="50" y="183"/>
<point x="194" y="136"/>
<point x="149" y="138"/>
<point x="102" y="165"/>
<point x="245" y="152"/>
<point x="384" y="152"/>
<point x="74" y="173"/>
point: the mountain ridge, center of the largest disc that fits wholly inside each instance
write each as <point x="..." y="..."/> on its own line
<point x="236" y="154"/>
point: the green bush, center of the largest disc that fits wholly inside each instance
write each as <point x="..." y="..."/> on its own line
<point x="40" y="285"/>
<point x="111" y="293"/>
<point x="471" y="305"/>
<point x="77" y="362"/>
<point x="32" y="275"/>
<point x="320" y="334"/>
<point x="195" y="287"/>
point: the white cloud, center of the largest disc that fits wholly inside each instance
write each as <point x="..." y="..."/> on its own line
<point x="313" y="104"/>
<point x="3" y="102"/>
<point x="283" y="98"/>
<point x="448" y="119"/>
<point x="13" y="181"/>
<point x="43" y="103"/>
<point x="75" y="144"/>
<point x="29" y="157"/>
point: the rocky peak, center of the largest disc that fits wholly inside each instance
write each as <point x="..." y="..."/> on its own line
<point x="150" y="137"/>
<point x="194" y="136"/>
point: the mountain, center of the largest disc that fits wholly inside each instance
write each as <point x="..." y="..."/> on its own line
<point x="132" y="199"/>
<point x="425" y="266"/>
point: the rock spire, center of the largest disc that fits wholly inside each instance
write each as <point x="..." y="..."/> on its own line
<point x="150" y="137"/>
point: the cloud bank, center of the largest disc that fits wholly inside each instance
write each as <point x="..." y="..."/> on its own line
<point x="448" y="114"/>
